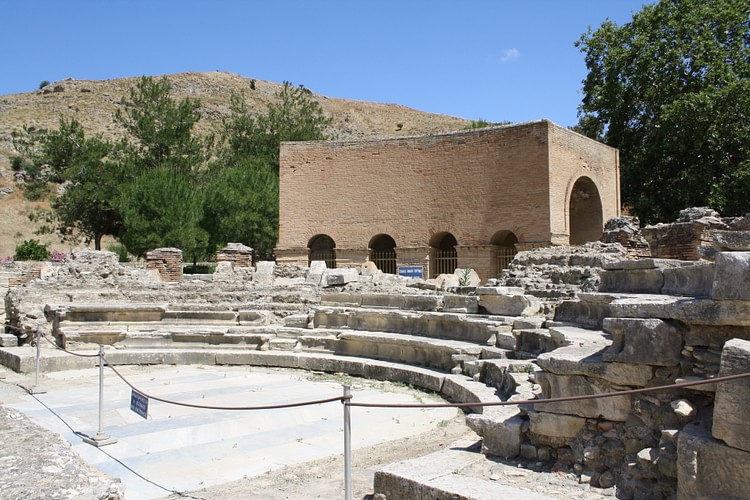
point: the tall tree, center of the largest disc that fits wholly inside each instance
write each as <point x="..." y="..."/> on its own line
<point x="242" y="190"/>
<point x="159" y="128"/>
<point x="163" y="208"/>
<point x="294" y="116"/>
<point x="670" y="90"/>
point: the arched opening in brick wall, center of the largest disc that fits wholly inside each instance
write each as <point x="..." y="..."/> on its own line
<point x="322" y="247"/>
<point x="382" y="252"/>
<point x="504" y="249"/>
<point x="443" y="255"/>
<point x="585" y="212"/>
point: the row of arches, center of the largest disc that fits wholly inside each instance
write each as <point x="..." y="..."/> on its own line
<point x="443" y="256"/>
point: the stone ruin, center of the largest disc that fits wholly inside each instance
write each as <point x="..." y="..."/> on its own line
<point x="560" y="322"/>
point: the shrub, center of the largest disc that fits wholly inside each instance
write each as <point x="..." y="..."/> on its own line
<point x="43" y="84"/>
<point x="120" y="250"/>
<point x="31" y="250"/>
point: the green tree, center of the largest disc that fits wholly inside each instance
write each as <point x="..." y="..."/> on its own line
<point x="242" y="190"/>
<point x="88" y="205"/>
<point x="670" y="90"/>
<point x="241" y="205"/>
<point x="163" y="208"/>
<point x="90" y="180"/>
<point x="160" y="129"/>
<point x="294" y="116"/>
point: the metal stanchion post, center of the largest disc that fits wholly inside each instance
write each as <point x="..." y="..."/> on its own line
<point x="38" y="338"/>
<point x="347" y="444"/>
<point x="101" y="438"/>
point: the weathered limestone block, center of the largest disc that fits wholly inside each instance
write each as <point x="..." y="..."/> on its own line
<point x="264" y="272"/>
<point x="461" y="303"/>
<point x="334" y="277"/>
<point x="315" y="272"/>
<point x="558" y="427"/>
<point x="534" y="341"/>
<point x="508" y="301"/>
<point x="691" y="311"/>
<point x="695" y="280"/>
<point x="732" y="403"/>
<point x="632" y="281"/>
<point x="732" y="241"/>
<point x="587" y="360"/>
<point x="501" y="429"/>
<point x="707" y="468"/>
<point x="643" y="341"/>
<point x="588" y="310"/>
<point x="614" y="408"/>
<point x="732" y="281"/>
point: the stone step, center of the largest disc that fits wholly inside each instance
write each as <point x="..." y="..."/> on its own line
<point x="443" y="354"/>
<point x="411" y="302"/>
<point x="441" y="475"/>
<point x="484" y="330"/>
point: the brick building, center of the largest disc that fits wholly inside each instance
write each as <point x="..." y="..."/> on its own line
<point x="464" y="199"/>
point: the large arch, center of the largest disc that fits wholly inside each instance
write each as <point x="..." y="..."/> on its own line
<point x="585" y="212"/>
<point x="504" y="249"/>
<point x="322" y="247"/>
<point x="382" y="252"/>
<point x="443" y="254"/>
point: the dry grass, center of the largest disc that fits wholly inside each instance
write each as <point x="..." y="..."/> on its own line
<point x="93" y="103"/>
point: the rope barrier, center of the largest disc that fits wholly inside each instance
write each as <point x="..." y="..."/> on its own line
<point x="229" y="408"/>
<point x="348" y="400"/>
<point x="565" y="399"/>
<point x="44" y="336"/>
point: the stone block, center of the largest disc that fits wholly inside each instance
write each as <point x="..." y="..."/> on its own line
<point x="315" y="272"/>
<point x="692" y="311"/>
<point x="264" y="272"/>
<point x="582" y="312"/>
<point x="499" y="290"/>
<point x="695" y="280"/>
<point x="732" y="403"/>
<point x="707" y="468"/>
<point x="534" y="341"/>
<point x="587" y="360"/>
<point x="631" y="281"/>
<point x="614" y="408"/>
<point x="732" y="280"/>
<point x="501" y="429"/>
<point x="731" y="241"/>
<point x="510" y="305"/>
<point x="551" y="425"/>
<point x="461" y="303"/>
<point x="336" y="277"/>
<point x="643" y="341"/>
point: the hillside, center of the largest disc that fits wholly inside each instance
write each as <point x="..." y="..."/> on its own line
<point x="93" y="103"/>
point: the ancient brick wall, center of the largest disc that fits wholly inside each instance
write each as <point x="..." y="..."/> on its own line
<point x="471" y="184"/>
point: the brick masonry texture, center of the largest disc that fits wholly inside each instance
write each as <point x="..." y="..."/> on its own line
<point x="471" y="184"/>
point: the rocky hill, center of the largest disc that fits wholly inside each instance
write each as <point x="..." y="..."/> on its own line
<point x="93" y="103"/>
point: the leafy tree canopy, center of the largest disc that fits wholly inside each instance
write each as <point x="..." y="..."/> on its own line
<point x="160" y="129"/>
<point x="163" y="208"/>
<point x="671" y="90"/>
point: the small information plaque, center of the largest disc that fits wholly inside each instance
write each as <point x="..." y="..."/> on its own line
<point x="139" y="404"/>
<point x="411" y="271"/>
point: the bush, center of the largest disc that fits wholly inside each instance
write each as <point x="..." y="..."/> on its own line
<point x="120" y="250"/>
<point x="31" y="250"/>
<point x="43" y="84"/>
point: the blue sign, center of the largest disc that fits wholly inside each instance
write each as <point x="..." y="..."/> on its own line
<point x="139" y="404"/>
<point x="411" y="271"/>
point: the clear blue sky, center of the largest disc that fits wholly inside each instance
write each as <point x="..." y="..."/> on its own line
<point x="485" y="59"/>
